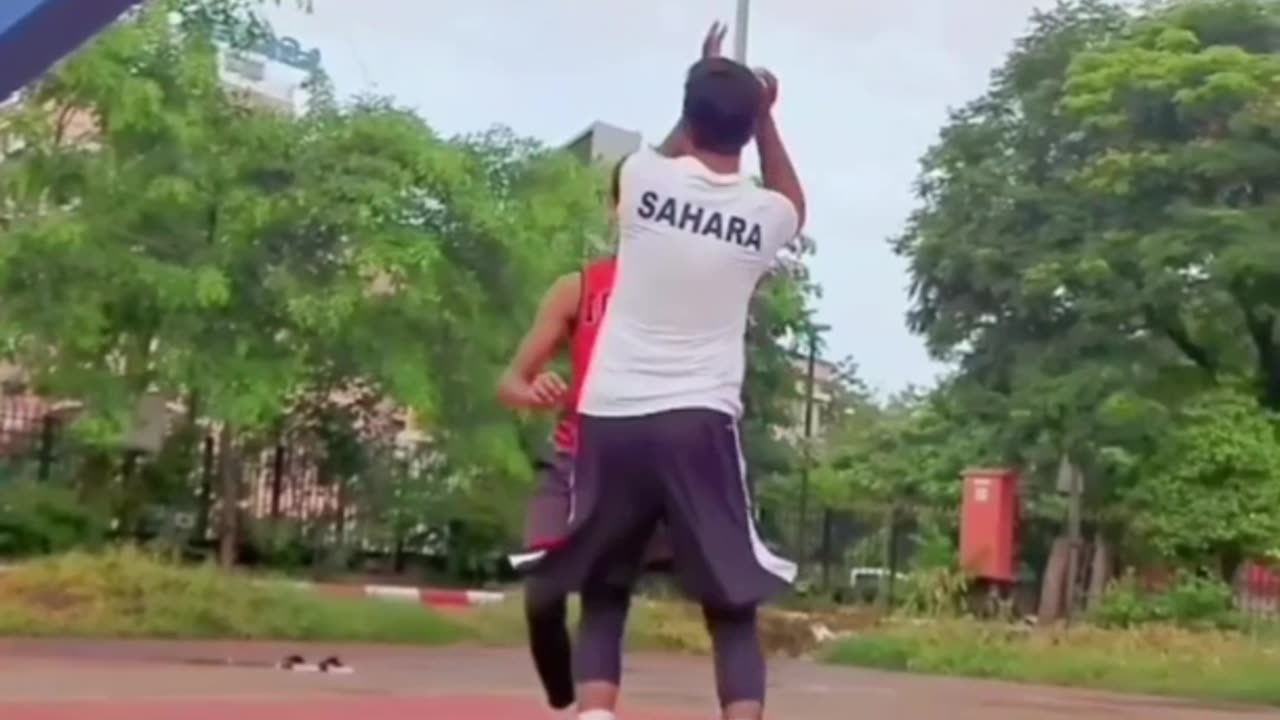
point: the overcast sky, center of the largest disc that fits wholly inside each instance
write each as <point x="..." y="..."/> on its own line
<point x="866" y="84"/>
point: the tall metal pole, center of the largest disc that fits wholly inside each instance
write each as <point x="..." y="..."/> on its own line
<point x="740" y="28"/>
<point x="802" y="526"/>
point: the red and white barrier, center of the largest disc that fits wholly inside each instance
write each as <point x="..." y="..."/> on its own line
<point x="430" y="597"/>
<point x="433" y="597"/>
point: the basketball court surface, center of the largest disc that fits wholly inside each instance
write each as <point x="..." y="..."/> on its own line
<point x="81" y="680"/>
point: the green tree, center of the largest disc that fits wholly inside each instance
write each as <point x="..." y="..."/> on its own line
<point x="164" y="235"/>
<point x="1002" y="283"/>
<point x="1207" y="497"/>
<point x="128" y="175"/>
<point x="192" y="244"/>
<point x="1175" y="129"/>
<point x="1093" y="246"/>
<point x="901" y="461"/>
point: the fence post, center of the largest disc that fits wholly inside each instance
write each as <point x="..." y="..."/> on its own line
<point x="277" y="479"/>
<point x="205" y="498"/>
<point x="826" y="548"/>
<point x="891" y="553"/>
<point x="47" y="432"/>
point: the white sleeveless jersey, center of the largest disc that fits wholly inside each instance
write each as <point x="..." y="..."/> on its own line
<point x="693" y="245"/>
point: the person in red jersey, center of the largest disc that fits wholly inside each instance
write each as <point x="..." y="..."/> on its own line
<point x="567" y="319"/>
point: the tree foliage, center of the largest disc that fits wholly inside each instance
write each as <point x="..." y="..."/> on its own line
<point x="317" y="279"/>
<point x="1208" y="495"/>
<point x="1094" y="250"/>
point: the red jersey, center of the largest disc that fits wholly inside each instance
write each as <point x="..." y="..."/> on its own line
<point x="595" y="286"/>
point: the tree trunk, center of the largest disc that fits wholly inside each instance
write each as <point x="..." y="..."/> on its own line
<point x="130" y="494"/>
<point x="1099" y="570"/>
<point x="229" y="469"/>
<point x="1230" y="558"/>
<point x="397" y="554"/>
<point x="1053" y="585"/>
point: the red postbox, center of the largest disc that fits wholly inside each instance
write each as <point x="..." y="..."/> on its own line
<point x="988" y="523"/>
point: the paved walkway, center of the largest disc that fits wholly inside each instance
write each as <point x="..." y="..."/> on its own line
<point x="69" y="680"/>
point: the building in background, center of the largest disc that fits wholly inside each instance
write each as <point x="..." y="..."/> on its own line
<point x="603" y="144"/>
<point x="826" y="383"/>
<point x="271" y="75"/>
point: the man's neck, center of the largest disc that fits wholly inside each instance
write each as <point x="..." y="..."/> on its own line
<point x="717" y="163"/>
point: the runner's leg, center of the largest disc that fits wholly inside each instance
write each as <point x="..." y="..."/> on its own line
<point x="718" y="555"/>
<point x="544" y="603"/>
<point x="546" y="616"/>
<point x="613" y="469"/>
<point x="739" y="661"/>
<point x="598" y="661"/>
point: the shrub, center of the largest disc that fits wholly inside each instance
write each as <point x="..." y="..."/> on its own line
<point x="1191" y="601"/>
<point x="1153" y="658"/>
<point x="39" y="518"/>
<point x="936" y="592"/>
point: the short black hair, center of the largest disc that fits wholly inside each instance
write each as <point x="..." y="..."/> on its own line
<point x="721" y="102"/>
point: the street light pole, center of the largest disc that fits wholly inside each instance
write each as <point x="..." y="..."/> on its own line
<point x="740" y="28"/>
<point x="807" y="455"/>
<point x="806" y="458"/>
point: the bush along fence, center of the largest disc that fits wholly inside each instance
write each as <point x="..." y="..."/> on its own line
<point x="345" y="483"/>
<point x="348" y="485"/>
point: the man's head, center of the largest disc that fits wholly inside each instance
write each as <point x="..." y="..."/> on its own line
<point x="721" y="103"/>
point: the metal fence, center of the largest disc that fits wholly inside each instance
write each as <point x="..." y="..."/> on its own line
<point x="291" y="505"/>
<point x="28" y="431"/>
<point x="1257" y="589"/>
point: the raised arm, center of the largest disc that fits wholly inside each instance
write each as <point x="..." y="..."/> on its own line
<point x="776" y="170"/>
<point x="523" y="384"/>
<point x="711" y="47"/>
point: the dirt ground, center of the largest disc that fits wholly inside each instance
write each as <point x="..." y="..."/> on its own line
<point x="74" y="680"/>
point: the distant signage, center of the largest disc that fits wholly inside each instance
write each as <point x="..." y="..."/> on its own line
<point x="285" y="50"/>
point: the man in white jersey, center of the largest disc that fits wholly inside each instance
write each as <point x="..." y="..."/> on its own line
<point x="662" y="396"/>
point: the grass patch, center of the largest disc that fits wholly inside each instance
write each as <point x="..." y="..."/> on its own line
<point x="1157" y="660"/>
<point x="129" y="594"/>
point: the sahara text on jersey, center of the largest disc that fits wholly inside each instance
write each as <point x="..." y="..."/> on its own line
<point x="698" y="220"/>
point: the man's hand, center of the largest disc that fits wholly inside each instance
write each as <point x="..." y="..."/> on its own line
<point x="770" y="95"/>
<point x="714" y="41"/>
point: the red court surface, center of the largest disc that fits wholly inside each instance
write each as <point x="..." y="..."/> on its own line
<point x="236" y="681"/>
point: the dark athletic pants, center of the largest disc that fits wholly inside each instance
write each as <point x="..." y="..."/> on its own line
<point x="547" y="524"/>
<point x="544" y="605"/>
<point x="683" y="468"/>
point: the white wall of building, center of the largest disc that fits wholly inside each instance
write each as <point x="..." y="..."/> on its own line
<point x="268" y="81"/>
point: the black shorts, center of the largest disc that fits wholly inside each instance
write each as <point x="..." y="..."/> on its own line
<point x="551" y="509"/>
<point x="681" y="468"/>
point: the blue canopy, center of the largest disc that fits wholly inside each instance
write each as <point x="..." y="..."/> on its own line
<point x="35" y="34"/>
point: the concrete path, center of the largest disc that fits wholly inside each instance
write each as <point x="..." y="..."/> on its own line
<point x="74" y="680"/>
